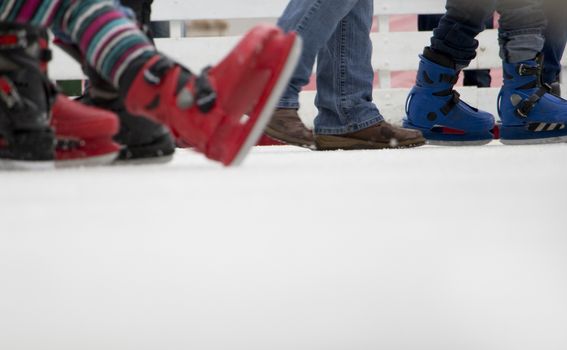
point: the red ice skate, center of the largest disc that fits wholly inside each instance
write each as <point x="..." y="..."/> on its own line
<point x="27" y="100"/>
<point x="84" y="134"/>
<point x="223" y="112"/>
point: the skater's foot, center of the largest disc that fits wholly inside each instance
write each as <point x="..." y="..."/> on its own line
<point x="286" y="126"/>
<point x="380" y="136"/>
<point x="530" y="112"/>
<point x="435" y="109"/>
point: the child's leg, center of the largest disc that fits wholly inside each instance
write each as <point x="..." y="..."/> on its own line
<point x="433" y="107"/>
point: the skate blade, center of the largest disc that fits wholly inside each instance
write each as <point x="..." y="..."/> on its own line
<point x="270" y="106"/>
<point x="144" y="161"/>
<point x="459" y="143"/>
<point x="544" y="141"/>
<point x="102" y="160"/>
<point x="9" y="164"/>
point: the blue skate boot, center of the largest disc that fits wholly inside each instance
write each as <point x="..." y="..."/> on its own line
<point x="435" y="109"/>
<point x="530" y="113"/>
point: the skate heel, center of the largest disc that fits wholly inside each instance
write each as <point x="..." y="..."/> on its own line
<point x="28" y="150"/>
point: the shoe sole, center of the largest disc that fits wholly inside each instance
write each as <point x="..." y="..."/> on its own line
<point x="270" y="106"/>
<point x="333" y="143"/>
<point x="459" y="143"/>
<point x="144" y="161"/>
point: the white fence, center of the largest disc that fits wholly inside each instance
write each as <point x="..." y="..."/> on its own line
<point x="393" y="51"/>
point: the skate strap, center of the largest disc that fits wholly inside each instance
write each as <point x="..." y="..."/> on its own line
<point x="206" y="95"/>
<point x="525" y="70"/>
<point x="453" y="101"/>
<point x="527" y="105"/>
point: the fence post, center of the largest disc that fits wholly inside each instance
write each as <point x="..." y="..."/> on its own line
<point x="176" y="29"/>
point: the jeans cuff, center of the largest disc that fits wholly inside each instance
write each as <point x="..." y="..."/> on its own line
<point x="291" y="104"/>
<point x="349" y="128"/>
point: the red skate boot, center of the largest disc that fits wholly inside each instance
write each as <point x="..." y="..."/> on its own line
<point x="84" y="134"/>
<point x="223" y="112"/>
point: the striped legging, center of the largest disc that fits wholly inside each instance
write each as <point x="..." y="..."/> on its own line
<point x="106" y="37"/>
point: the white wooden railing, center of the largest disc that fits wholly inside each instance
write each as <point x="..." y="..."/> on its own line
<point x="393" y="51"/>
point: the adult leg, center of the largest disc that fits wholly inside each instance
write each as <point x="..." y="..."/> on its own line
<point x="347" y="118"/>
<point x="337" y="31"/>
<point x="479" y="77"/>
<point x="315" y="21"/>
<point x="529" y="113"/>
<point x="345" y="76"/>
<point x="433" y="107"/>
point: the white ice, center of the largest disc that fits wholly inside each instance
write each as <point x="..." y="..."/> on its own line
<point x="432" y="248"/>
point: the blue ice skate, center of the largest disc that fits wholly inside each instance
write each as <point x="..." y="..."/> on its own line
<point x="530" y="113"/>
<point x="434" y="108"/>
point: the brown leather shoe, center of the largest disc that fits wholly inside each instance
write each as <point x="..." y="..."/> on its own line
<point x="287" y="127"/>
<point x="379" y="136"/>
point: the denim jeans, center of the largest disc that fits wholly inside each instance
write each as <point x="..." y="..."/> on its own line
<point x="522" y="25"/>
<point x="555" y="39"/>
<point x="336" y="33"/>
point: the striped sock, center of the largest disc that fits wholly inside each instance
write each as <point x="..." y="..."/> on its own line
<point x="107" y="39"/>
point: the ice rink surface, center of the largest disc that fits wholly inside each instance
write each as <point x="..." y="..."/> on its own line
<point x="432" y="248"/>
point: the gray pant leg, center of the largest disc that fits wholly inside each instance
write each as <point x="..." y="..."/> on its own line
<point x="522" y="26"/>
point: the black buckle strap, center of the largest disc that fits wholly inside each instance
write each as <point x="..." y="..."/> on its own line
<point x="525" y="70"/>
<point x="206" y="96"/>
<point x="527" y="105"/>
<point x="455" y="99"/>
<point x="155" y="73"/>
<point x="448" y="78"/>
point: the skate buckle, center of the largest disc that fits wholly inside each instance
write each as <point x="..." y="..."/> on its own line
<point x="521" y="113"/>
<point x="13" y="40"/>
<point x="524" y="70"/>
<point x="8" y="93"/>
